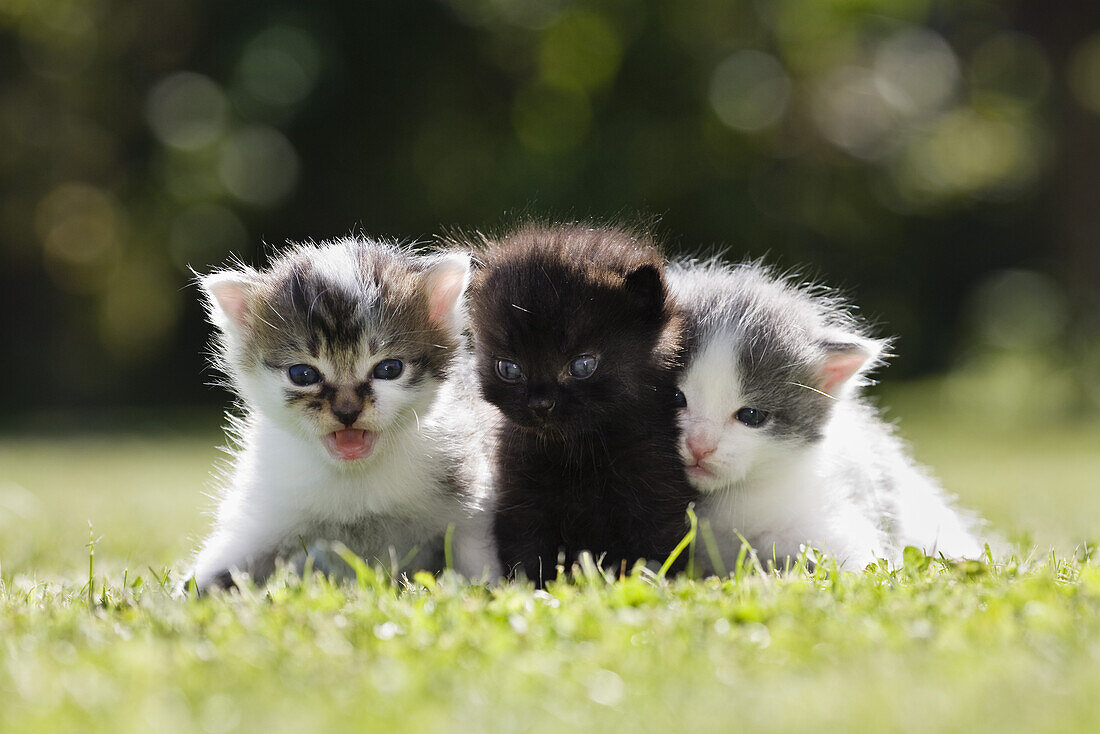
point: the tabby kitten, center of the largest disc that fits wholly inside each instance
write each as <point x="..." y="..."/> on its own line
<point x="338" y="352"/>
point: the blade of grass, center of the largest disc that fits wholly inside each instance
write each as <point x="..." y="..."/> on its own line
<point x="684" y="542"/>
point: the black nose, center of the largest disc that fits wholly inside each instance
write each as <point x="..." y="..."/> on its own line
<point x="540" y="405"/>
<point x="346" y="414"/>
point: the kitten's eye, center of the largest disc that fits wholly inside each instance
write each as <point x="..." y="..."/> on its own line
<point x="752" y="417"/>
<point x="389" y="369"/>
<point x="679" y="399"/>
<point x="508" y="371"/>
<point x="582" y="367"/>
<point x="303" y="374"/>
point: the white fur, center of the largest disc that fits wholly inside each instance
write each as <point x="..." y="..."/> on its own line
<point x="285" y="491"/>
<point x="862" y="454"/>
<point x="855" y="494"/>
<point x="285" y="494"/>
<point x="778" y="495"/>
<point x="475" y="421"/>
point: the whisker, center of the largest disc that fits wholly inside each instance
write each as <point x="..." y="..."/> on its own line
<point x="812" y="389"/>
<point x="550" y="281"/>
<point x="261" y="318"/>
<point x="309" y="313"/>
<point x="275" y="311"/>
<point x="412" y="331"/>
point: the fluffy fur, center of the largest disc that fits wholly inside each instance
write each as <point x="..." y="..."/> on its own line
<point x="395" y="480"/>
<point x="823" y="469"/>
<point x="582" y="463"/>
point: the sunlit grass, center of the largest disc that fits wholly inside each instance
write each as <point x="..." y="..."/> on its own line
<point x="930" y="647"/>
<point x="1013" y="646"/>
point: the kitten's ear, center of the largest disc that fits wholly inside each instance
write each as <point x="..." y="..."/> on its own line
<point x="229" y="297"/>
<point x="445" y="281"/>
<point x="844" y="359"/>
<point x="647" y="288"/>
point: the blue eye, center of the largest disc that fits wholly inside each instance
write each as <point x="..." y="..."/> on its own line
<point x="752" y="417"/>
<point x="303" y="374"/>
<point x="679" y="399"/>
<point x="389" y="369"/>
<point x="582" y="367"/>
<point x="508" y="371"/>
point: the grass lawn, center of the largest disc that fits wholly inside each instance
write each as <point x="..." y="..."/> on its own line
<point x="1010" y="647"/>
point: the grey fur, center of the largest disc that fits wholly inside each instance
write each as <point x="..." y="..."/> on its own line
<point x="340" y="307"/>
<point x="297" y="308"/>
<point x="780" y="332"/>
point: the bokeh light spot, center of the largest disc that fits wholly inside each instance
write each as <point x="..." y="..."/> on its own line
<point x="750" y="91"/>
<point x="81" y="230"/>
<point x="1083" y="73"/>
<point x="969" y="152"/>
<point x="580" y="52"/>
<point x="850" y="112"/>
<point x="60" y="38"/>
<point x="187" y="111"/>
<point x="258" y="165"/>
<point x="606" y="688"/>
<point x="279" y="66"/>
<point x="916" y="71"/>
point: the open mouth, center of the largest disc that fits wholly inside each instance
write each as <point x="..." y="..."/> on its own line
<point x="350" y="444"/>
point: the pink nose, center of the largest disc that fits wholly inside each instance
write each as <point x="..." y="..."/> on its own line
<point x="700" y="448"/>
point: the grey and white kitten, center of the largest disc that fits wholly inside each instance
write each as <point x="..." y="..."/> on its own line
<point x="339" y="354"/>
<point x="777" y="438"/>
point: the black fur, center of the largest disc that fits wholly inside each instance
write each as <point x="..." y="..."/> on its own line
<point x="600" y="472"/>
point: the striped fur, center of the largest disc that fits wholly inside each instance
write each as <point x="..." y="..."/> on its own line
<point x="341" y="308"/>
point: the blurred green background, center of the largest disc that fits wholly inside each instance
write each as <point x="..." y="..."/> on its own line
<point x="938" y="159"/>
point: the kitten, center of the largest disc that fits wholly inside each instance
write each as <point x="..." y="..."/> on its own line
<point x="776" y="437"/>
<point x="574" y="339"/>
<point x="338" y="353"/>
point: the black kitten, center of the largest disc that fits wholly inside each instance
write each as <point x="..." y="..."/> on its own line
<point x="575" y="343"/>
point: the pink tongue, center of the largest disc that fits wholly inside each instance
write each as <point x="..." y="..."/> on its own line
<point x="350" y="443"/>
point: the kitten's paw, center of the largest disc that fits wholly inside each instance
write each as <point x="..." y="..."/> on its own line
<point x="321" y="558"/>
<point x="223" y="580"/>
<point x="191" y="587"/>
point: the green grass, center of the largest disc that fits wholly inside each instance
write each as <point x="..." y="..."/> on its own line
<point x="1012" y="646"/>
<point x="943" y="649"/>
